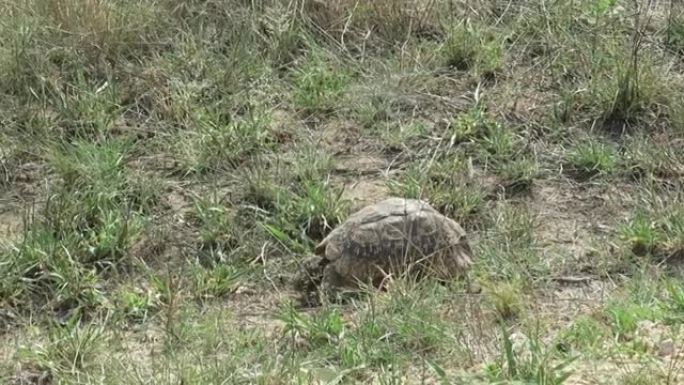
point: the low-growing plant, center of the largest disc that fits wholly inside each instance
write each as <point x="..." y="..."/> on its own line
<point x="623" y="88"/>
<point x="135" y="303"/>
<point x="319" y="85"/>
<point x="499" y="142"/>
<point x="518" y="174"/>
<point x="593" y="157"/>
<point x="70" y="348"/>
<point x="322" y="330"/>
<point x="585" y="334"/>
<point x="473" y="46"/>
<point x="506" y="298"/>
<point x="674" y="34"/>
<point x="215" y="222"/>
<point x="375" y="110"/>
<point x="508" y="249"/>
<point x="215" y="282"/>
<point x="534" y="365"/>
<point x="624" y="317"/>
<point x="261" y="183"/>
<point x="446" y="184"/>
<point x="641" y="300"/>
<point x="41" y="270"/>
<point x="317" y="208"/>
<point x="674" y="301"/>
<point x="641" y="233"/>
<point x="646" y="159"/>
<point x="83" y="232"/>
<point x="312" y="163"/>
<point x="470" y="124"/>
<point x="89" y="111"/>
<point x="658" y="232"/>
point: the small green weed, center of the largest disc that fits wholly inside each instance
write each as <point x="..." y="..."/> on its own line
<point x="624" y="316"/>
<point x="375" y="110"/>
<point x="136" y="304"/>
<point x="620" y="93"/>
<point x="674" y="302"/>
<point x="321" y="330"/>
<point x="508" y="248"/>
<point x="506" y="298"/>
<point x="90" y="111"/>
<point x="673" y="230"/>
<point x="591" y="157"/>
<point x="646" y="159"/>
<point x="411" y="184"/>
<point x="643" y="376"/>
<point x="518" y="174"/>
<point x="410" y="309"/>
<point x="499" y="142"/>
<point x="216" y="144"/>
<point x="463" y="203"/>
<point x="319" y="85"/>
<point x="216" y="227"/>
<point x="446" y="184"/>
<point x="85" y="230"/>
<point x="659" y="232"/>
<point x="318" y="208"/>
<point x="261" y="184"/>
<point x="41" y="268"/>
<point x="534" y="365"/>
<point x="312" y="163"/>
<point x="472" y="46"/>
<point x="462" y="46"/>
<point x="641" y="233"/>
<point x="70" y="349"/>
<point x="586" y="333"/>
<point x="469" y="125"/>
<point x="215" y="282"/>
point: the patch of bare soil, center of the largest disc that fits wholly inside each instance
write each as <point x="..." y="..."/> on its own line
<point x="570" y="300"/>
<point x="573" y="219"/>
<point x="362" y="178"/>
<point x="20" y="196"/>
<point x="662" y="362"/>
<point x="11" y="224"/>
<point x="342" y="137"/>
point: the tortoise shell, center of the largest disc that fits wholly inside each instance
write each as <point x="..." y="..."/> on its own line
<point x="391" y="236"/>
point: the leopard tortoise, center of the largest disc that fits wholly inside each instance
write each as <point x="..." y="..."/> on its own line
<point x="388" y="238"/>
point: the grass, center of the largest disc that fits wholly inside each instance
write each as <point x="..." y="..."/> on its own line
<point x="166" y="167"/>
<point x="319" y="85"/>
<point x="591" y="157"/>
<point x="446" y="185"/>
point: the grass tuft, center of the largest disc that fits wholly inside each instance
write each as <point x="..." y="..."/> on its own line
<point x="319" y="84"/>
<point x="472" y="46"/>
<point x="592" y="157"/>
